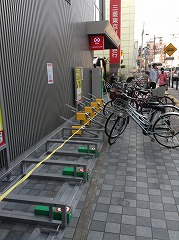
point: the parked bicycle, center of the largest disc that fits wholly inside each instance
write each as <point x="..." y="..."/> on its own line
<point x="140" y="98"/>
<point x="162" y="127"/>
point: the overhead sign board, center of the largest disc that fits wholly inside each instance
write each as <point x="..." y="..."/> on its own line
<point x="170" y="49"/>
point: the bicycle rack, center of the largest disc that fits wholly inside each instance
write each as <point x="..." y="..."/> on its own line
<point x="79" y="130"/>
<point x="64" y="174"/>
<point x="84" y="116"/>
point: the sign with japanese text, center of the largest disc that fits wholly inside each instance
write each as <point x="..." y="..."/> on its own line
<point x="97" y="42"/>
<point x="78" y="81"/>
<point x="115" y="20"/>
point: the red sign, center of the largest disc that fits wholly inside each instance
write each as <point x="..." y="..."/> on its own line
<point x="97" y="42"/>
<point x="2" y="139"/>
<point x="115" y="20"/>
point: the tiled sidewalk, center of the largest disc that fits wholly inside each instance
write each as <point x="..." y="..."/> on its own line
<point x="137" y="193"/>
<point x="175" y="94"/>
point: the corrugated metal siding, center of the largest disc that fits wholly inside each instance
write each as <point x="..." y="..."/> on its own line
<point x="34" y="33"/>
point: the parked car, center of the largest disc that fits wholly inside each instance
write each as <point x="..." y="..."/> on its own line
<point x="175" y="73"/>
<point x="167" y="70"/>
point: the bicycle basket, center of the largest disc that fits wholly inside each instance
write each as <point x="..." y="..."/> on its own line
<point x="119" y="99"/>
<point x="115" y="93"/>
<point x="121" y="102"/>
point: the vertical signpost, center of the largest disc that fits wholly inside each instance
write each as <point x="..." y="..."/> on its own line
<point x="115" y="20"/>
<point x="170" y="49"/>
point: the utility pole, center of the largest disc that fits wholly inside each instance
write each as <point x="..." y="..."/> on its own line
<point x="154" y="48"/>
<point x="141" y="48"/>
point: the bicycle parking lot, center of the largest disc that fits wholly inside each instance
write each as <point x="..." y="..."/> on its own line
<point x="132" y="191"/>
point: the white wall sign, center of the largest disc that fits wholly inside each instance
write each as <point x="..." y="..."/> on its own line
<point x="50" y="73"/>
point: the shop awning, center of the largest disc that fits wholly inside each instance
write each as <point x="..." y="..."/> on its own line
<point x="104" y="28"/>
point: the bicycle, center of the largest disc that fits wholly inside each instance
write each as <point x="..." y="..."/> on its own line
<point x="140" y="98"/>
<point x="120" y="112"/>
<point x="163" y="127"/>
<point x="114" y="89"/>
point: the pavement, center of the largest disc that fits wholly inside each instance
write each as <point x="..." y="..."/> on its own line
<point x="175" y="94"/>
<point x="133" y="194"/>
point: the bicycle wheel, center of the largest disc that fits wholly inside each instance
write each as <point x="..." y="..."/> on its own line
<point x="109" y="123"/>
<point x="170" y="108"/>
<point x="117" y="129"/>
<point x="157" y="113"/>
<point x="164" y="109"/>
<point x="107" y="109"/>
<point x="166" y="130"/>
<point x="167" y="100"/>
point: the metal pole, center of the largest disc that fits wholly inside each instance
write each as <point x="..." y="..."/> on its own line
<point x="171" y="79"/>
<point x="154" y="48"/>
<point x="141" y="48"/>
<point x="176" y="83"/>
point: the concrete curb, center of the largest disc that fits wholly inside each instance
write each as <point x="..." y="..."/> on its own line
<point x="84" y="219"/>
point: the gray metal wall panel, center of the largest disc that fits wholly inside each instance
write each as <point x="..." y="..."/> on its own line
<point x="34" y="32"/>
<point x="87" y="83"/>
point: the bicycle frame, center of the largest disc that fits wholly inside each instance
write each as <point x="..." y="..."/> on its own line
<point x="146" y="123"/>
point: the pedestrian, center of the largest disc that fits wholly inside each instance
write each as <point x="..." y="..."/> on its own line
<point x="162" y="78"/>
<point x="153" y="76"/>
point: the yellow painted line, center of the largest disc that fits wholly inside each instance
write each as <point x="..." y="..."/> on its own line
<point x="41" y="162"/>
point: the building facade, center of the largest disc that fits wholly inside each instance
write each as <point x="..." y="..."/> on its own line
<point x="127" y="35"/>
<point x="33" y="34"/>
<point x="126" y="40"/>
<point x="42" y="43"/>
